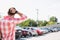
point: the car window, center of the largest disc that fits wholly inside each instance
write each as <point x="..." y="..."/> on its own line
<point x="27" y="28"/>
<point x="31" y="28"/>
<point x="24" y="28"/>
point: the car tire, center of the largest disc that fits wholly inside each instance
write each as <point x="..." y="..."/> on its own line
<point x="30" y="34"/>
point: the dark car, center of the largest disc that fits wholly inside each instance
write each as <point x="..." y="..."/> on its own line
<point x="18" y="34"/>
<point x="23" y="32"/>
<point x="54" y="29"/>
<point x="49" y="30"/>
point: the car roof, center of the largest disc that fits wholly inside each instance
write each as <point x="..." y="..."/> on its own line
<point x="17" y="27"/>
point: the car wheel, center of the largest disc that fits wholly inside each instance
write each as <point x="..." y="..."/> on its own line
<point x="24" y="35"/>
<point x="30" y="34"/>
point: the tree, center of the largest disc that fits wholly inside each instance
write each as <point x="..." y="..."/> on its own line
<point x="40" y="23"/>
<point x="25" y="23"/>
<point x="51" y="23"/>
<point x="45" y="23"/>
<point x="32" y="23"/>
<point x="28" y="23"/>
<point x="54" y="19"/>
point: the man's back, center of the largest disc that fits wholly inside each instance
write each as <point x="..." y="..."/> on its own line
<point x="7" y="29"/>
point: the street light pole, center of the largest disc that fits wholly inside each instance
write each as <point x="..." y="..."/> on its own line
<point x="37" y="15"/>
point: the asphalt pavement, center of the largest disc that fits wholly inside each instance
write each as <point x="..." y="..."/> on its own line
<point x="49" y="36"/>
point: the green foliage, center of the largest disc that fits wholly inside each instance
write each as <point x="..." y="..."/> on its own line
<point x="51" y="23"/>
<point x="29" y="22"/>
<point x="25" y="23"/>
<point x="54" y="19"/>
<point x="42" y="23"/>
<point x="32" y="23"/>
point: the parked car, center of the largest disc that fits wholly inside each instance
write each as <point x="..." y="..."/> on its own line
<point x="39" y="32"/>
<point x="23" y="32"/>
<point x="32" y="31"/>
<point x="44" y="30"/>
<point x="18" y="32"/>
<point x="54" y="29"/>
<point x="58" y="28"/>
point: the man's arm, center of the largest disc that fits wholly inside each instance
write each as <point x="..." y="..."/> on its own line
<point x="22" y="18"/>
<point x="20" y="14"/>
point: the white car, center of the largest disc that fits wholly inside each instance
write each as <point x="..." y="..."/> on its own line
<point x="44" y="30"/>
<point x="32" y="32"/>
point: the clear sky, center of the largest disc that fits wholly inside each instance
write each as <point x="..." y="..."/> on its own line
<point x="47" y="8"/>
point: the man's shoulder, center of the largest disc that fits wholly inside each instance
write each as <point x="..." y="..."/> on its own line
<point x="6" y="16"/>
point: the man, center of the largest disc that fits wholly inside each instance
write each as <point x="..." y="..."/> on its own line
<point x="8" y="23"/>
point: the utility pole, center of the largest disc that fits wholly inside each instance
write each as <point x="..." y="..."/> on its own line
<point x="37" y="15"/>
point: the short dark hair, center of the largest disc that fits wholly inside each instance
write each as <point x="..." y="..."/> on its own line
<point x="9" y="12"/>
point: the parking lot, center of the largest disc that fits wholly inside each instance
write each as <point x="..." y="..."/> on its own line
<point x="49" y="36"/>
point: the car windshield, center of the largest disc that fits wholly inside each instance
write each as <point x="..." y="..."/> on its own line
<point x="43" y="28"/>
<point x="18" y="28"/>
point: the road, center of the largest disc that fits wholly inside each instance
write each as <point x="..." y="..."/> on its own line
<point x="49" y="36"/>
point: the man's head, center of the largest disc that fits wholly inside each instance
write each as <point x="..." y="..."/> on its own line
<point x="12" y="11"/>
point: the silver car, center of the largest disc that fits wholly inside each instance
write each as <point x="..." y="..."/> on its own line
<point x="32" y="32"/>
